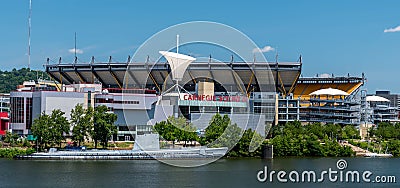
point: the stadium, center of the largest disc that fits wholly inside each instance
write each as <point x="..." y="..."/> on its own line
<point x="275" y="93"/>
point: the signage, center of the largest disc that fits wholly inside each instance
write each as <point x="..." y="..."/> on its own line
<point x="214" y="98"/>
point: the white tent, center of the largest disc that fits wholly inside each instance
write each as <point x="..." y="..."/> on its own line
<point x="178" y="63"/>
<point x="377" y="99"/>
<point x="330" y="91"/>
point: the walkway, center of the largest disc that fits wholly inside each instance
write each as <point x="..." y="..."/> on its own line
<point x="359" y="151"/>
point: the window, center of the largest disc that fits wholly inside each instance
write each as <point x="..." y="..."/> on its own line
<point x="17" y="110"/>
<point x="89" y="98"/>
<point x="28" y="118"/>
<point x="102" y="100"/>
<point x="126" y="102"/>
<point x="264" y="104"/>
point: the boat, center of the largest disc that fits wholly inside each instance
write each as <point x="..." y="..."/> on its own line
<point x="146" y="147"/>
<point x="382" y="155"/>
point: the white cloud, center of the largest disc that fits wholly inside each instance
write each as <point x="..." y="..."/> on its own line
<point x="263" y="50"/>
<point x="391" y="30"/>
<point x="78" y="51"/>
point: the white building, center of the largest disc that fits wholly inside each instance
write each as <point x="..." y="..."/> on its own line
<point x="380" y="110"/>
<point x="28" y="102"/>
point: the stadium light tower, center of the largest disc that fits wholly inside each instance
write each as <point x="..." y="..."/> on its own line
<point x="178" y="63"/>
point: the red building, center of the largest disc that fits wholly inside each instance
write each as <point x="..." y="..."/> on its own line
<point x="3" y="122"/>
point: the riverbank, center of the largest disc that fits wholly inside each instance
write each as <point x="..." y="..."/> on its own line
<point x="15" y="151"/>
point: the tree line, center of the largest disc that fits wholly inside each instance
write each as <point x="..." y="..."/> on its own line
<point x="290" y="139"/>
<point x="53" y="129"/>
<point x="9" y="80"/>
<point x="295" y="139"/>
<point x="385" y="131"/>
<point x="221" y="132"/>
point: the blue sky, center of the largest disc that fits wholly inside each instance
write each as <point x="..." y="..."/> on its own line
<point x="336" y="37"/>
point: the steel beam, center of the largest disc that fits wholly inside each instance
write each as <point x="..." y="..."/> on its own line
<point x="133" y="77"/>
<point x="69" y="79"/>
<point x="98" y="77"/>
<point x="119" y="82"/>
<point x="80" y="75"/>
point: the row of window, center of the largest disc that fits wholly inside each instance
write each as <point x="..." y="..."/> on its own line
<point x="264" y="110"/>
<point x="264" y="104"/>
<point x="28" y="118"/>
<point x="115" y="102"/>
<point x="126" y="102"/>
<point x="17" y="108"/>
<point x="19" y="114"/>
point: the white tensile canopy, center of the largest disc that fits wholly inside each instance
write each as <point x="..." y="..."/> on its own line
<point x="178" y="63"/>
<point x="377" y="99"/>
<point x="330" y="91"/>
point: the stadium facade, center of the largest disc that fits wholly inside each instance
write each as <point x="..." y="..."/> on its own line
<point x="133" y="91"/>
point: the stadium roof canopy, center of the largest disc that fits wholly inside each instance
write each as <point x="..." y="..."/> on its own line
<point x="375" y="98"/>
<point x="306" y="85"/>
<point x="249" y="75"/>
<point x="330" y="91"/>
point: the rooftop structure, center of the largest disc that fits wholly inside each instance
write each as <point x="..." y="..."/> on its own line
<point x="157" y="74"/>
<point x="178" y="63"/>
<point x="305" y="86"/>
<point x="380" y="110"/>
<point x="394" y="98"/>
<point x="323" y="99"/>
<point x="329" y="92"/>
<point x="374" y="98"/>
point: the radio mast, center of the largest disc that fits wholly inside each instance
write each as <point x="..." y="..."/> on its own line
<point x="29" y="33"/>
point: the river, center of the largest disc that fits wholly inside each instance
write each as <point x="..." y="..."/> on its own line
<point x="222" y="173"/>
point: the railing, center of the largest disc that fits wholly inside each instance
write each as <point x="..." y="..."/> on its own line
<point x="332" y="108"/>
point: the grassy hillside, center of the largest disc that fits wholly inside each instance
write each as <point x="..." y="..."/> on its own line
<point x="10" y="79"/>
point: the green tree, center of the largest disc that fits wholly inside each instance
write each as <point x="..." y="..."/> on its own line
<point x="222" y="133"/>
<point x="165" y="130"/>
<point x="82" y="123"/>
<point x="316" y="129"/>
<point x="11" y="138"/>
<point x="394" y="147"/>
<point x="176" y="129"/>
<point x="385" y="130"/>
<point x="59" y="127"/>
<point x="309" y="140"/>
<point x="248" y="145"/>
<point x="216" y="127"/>
<point x="40" y="129"/>
<point x="104" y="126"/>
<point x="229" y="137"/>
<point x="349" y="131"/>
<point x="50" y="129"/>
<point x="333" y="131"/>
<point x="183" y="131"/>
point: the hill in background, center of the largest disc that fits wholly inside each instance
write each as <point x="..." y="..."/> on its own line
<point x="9" y="80"/>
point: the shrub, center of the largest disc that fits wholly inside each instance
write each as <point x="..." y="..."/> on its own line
<point x="13" y="152"/>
